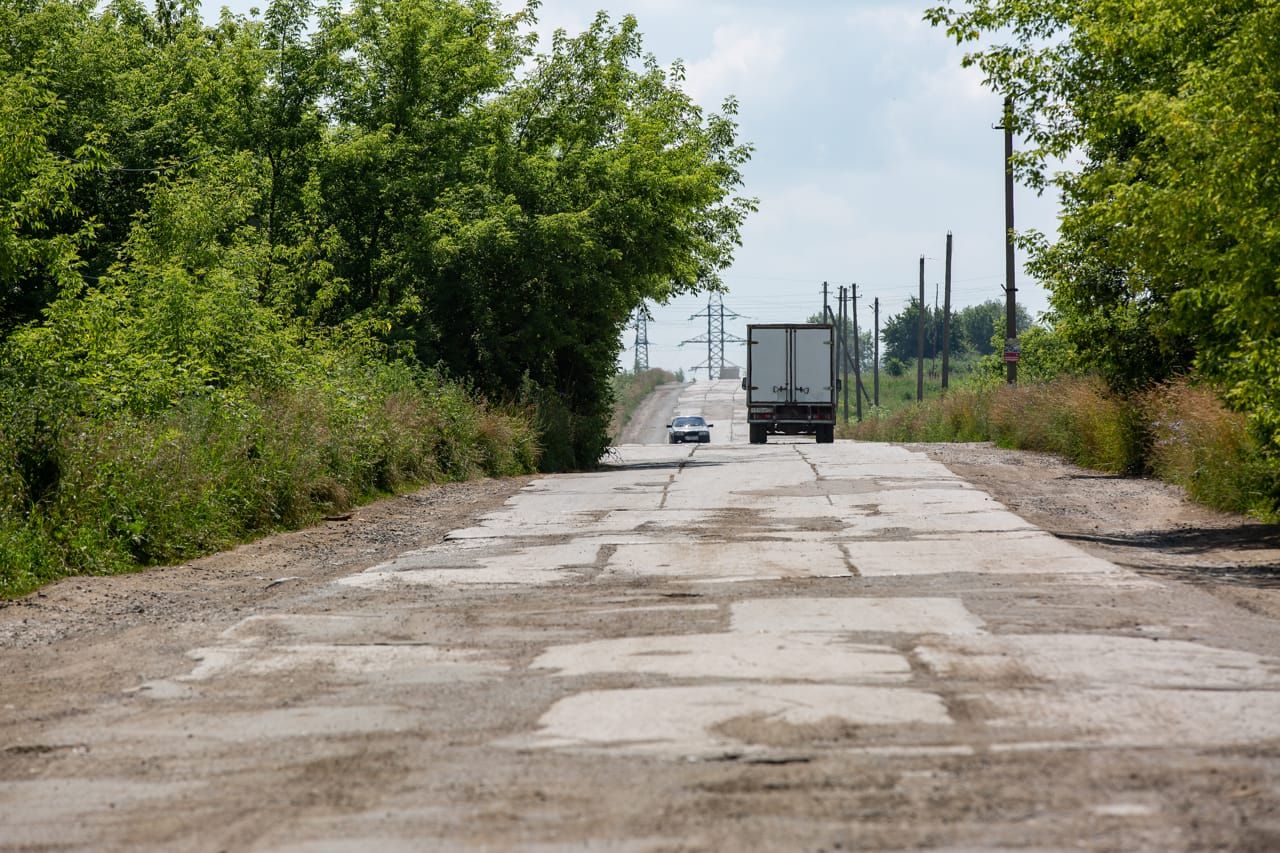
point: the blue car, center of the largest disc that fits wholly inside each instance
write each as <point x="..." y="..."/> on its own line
<point x="691" y="428"/>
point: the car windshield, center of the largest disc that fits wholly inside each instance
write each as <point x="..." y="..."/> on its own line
<point x="688" y="422"/>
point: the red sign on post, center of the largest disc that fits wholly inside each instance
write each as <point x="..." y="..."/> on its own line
<point x="1012" y="350"/>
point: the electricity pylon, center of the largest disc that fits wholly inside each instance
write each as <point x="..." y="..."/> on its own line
<point x="715" y="338"/>
<point x="641" y="325"/>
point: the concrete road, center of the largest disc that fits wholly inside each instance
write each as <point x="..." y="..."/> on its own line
<point x="725" y="646"/>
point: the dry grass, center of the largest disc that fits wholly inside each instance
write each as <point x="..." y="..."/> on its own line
<point x="1199" y="444"/>
<point x="1180" y="432"/>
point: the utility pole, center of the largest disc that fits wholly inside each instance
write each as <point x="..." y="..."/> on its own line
<point x="715" y="338"/>
<point x="933" y="333"/>
<point x="844" y="350"/>
<point x="642" y="338"/>
<point x="1011" y="352"/>
<point x="920" y="340"/>
<point x="826" y="311"/>
<point x="876" y="343"/>
<point x="946" y="320"/>
<point x="857" y="356"/>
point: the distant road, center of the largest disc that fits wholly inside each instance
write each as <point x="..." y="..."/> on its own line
<point x="649" y="423"/>
<point x="722" y="403"/>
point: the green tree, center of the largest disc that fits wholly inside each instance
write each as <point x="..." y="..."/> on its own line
<point x="406" y="172"/>
<point x="1169" y="239"/>
<point x="42" y="231"/>
<point x="977" y="325"/>
<point x="900" y="333"/>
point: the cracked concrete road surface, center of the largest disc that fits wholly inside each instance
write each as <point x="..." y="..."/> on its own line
<point x="712" y="647"/>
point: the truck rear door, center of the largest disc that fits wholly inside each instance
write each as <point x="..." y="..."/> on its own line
<point x="812" y="360"/>
<point x="767" y="351"/>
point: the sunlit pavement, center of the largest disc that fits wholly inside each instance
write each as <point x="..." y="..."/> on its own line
<point x="730" y="512"/>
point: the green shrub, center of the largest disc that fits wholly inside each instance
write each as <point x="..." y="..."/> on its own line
<point x="133" y="490"/>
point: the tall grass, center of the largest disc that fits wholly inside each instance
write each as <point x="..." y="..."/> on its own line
<point x="1180" y="432"/>
<point x="107" y="495"/>
<point x="1199" y="444"/>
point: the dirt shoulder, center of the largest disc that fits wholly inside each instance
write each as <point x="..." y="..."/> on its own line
<point x="1145" y="525"/>
<point x="276" y="570"/>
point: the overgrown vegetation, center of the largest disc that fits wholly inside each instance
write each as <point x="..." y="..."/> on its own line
<point x="1178" y="431"/>
<point x="630" y="390"/>
<point x="1163" y="281"/>
<point x="255" y="270"/>
<point x="103" y="495"/>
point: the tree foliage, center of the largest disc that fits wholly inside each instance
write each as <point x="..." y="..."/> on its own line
<point x="981" y="327"/>
<point x="901" y="333"/>
<point x="977" y="329"/>
<point x="189" y="209"/>
<point x="1170" y="239"/>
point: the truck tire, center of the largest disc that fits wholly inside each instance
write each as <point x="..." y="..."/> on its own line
<point x="826" y="434"/>
<point x="757" y="434"/>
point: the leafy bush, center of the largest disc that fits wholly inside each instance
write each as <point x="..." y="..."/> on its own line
<point x="228" y="252"/>
<point x="214" y="470"/>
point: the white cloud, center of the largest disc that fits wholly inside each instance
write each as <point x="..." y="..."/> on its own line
<point x="891" y="20"/>
<point x="742" y="60"/>
<point x="806" y="206"/>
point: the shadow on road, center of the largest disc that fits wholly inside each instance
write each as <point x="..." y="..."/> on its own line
<point x="1249" y="536"/>
<point x="665" y="465"/>
<point x="1195" y="541"/>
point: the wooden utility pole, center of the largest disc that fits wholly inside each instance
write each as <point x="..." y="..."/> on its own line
<point x="946" y="319"/>
<point x="1010" y="290"/>
<point x="876" y="344"/>
<point x="857" y="355"/>
<point x="844" y="350"/>
<point x="826" y="312"/>
<point x="920" y="339"/>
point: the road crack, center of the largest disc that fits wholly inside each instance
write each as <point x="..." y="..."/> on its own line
<point x="671" y="478"/>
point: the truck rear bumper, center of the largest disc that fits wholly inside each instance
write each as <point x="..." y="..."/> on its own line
<point x="792" y="419"/>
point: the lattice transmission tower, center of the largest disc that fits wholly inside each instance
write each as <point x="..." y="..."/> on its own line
<point x="641" y="324"/>
<point x="715" y="338"/>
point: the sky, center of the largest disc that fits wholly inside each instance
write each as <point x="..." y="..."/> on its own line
<point x="871" y="143"/>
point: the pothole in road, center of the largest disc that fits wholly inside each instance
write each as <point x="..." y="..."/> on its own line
<point x="690" y="721"/>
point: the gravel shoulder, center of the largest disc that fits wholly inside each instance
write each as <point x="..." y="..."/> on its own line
<point x="1141" y="524"/>
<point x="271" y="573"/>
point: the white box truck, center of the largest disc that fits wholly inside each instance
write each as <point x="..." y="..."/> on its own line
<point x="791" y="381"/>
